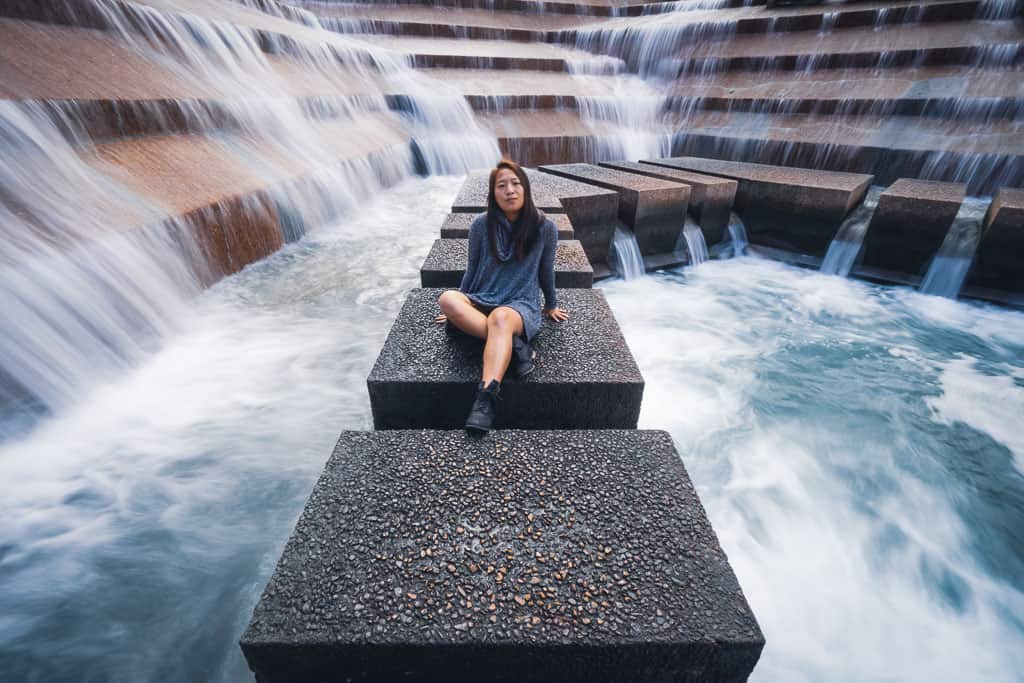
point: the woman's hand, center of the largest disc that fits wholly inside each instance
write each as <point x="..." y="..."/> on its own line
<point x="440" y="318"/>
<point x="556" y="314"/>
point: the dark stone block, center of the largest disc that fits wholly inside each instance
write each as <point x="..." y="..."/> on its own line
<point x="586" y="378"/>
<point x="447" y="260"/>
<point x="654" y="209"/>
<point x="525" y="556"/>
<point x="711" y="197"/>
<point x="910" y="223"/>
<point x="593" y="210"/>
<point x="999" y="261"/>
<point x="456" y="225"/>
<point x="789" y="208"/>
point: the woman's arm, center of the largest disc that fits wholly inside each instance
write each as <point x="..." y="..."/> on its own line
<point x="476" y="241"/>
<point x="547" y="266"/>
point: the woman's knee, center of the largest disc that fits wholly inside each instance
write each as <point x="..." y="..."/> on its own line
<point x="450" y="301"/>
<point x="503" y="318"/>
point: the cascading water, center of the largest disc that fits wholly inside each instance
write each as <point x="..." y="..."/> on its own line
<point x="696" y="247"/>
<point x="737" y="235"/>
<point x="949" y="267"/>
<point x="846" y="245"/>
<point x="629" y="264"/>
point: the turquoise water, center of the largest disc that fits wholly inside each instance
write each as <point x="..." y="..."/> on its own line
<point x="857" y="449"/>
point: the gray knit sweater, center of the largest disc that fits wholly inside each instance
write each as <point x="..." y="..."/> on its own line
<point x="489" y="282"/>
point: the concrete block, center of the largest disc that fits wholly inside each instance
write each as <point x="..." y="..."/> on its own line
<point x="446" y="263"/>
<point x="790" y="208"/>
<point x="456" y="225"/>
<point x="654" y="209"/>
<point x="586" y="378"/>
<point x="999" y="261"/>
<point x="525" y="556"/>
<point x="711" y="197"/>
<point x="593" y="210"/>
<point x="910" y="223"/>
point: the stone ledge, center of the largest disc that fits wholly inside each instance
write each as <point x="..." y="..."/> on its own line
<point x="525" y="556"/>
<point x="593" y="210"/>
<point x="910" y="223"/>
<point x="653" y="208"/>
<point x="446" y="263"/>
<point x="586" y="378"/>
<point x="456" y="225"/>
<point x="791" y="208"/>
<point x="999" y="261"/>
<point x="711" y="197"/>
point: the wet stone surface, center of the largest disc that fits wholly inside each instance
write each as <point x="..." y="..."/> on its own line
<point x="585" y="378"/>
<point x="446" y="263"/>
<point x="456" y="225"/>
<point x="522" y="556"/>
<point x="999" y="262"/>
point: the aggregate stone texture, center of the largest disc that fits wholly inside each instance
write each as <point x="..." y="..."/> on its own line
<point x="446" y="263"/>
<point x="789" y="208"/>
<point x="999" y="261"/>
<point x="585" y="378"/>
<point x="653" y="208"/>
<point x="593" y="210"/>
<point x="525" y="556"/>
<point x="910" y="223"/>
<point x="711" y="197"/>
<point x="456" y="225"/>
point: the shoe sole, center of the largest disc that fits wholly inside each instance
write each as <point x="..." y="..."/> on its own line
<point x="475" y="430"/>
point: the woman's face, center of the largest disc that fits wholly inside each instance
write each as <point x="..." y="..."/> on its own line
<point x="508" y="192"/>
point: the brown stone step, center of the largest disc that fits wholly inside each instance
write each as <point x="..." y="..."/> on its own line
<point x="599" y="8"/>
<point x="798" y="209"/>
<point x="999" y="261"/>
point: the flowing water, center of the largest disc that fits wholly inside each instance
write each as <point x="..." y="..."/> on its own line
<point x="846" y="245"/>
<point x="737" y="235"/>
<point x="696" y="247"/>
<point x="948" y="270"/>
<point x="629" y="264"/>
<point x="856" y="448"/>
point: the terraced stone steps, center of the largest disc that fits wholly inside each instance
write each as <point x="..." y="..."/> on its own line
<point x="1000" y="255"/>
<point x="447" y="260"/>
<point x="599" y="8"/>
<point x="585" y="378"/>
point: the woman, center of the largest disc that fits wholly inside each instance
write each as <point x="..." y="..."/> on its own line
<point x="511" y="259"/>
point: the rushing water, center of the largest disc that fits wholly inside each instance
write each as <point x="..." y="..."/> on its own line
<point x="856" y="448"/>
<point x="949" y="267"/>
<point x="629" y="264"/>
<point x="693" y="237"/>
<point x="846" y="245"/>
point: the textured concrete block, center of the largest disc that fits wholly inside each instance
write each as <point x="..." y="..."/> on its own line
<point x="910" y="223"/>
<point x="456" y="225"/>
<point x="653" y="208"/>
<point x="999" y="261"/>
<point x="711" y="197"/>
<point x="586" y="378"/>
<point x="790" y="208"/>
<point x="447" y="260"/>
<point x="593" y="210"/>
<point x="525" y="556"/>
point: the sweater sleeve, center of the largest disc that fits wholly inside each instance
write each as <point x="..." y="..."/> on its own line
<point x="476" y="240"/>
<point x="547" y="265"/>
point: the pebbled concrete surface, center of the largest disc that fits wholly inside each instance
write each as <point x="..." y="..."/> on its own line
<point x="999" y="262"/>
<point x="527" y="556"/>
<point x="446" y="263"/>
<point x="586" y="377"/>
<point x="456" y="225"/>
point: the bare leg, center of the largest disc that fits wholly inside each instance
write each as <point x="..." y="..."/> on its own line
<point x="463" y="314"/>
<point x="502" y="324"/>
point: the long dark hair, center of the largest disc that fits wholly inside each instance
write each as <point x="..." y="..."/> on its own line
<point x="526" y="228"/>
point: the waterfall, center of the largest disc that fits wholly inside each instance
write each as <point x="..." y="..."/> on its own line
<point x="846" y="245"/>
<point x="737" y="235"/>
<point x="951" y="263"/>
<point x="696" y="247"/>
<point x="629" y="264"/>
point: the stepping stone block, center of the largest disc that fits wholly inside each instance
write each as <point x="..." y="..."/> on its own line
<point x="910" y="223"/>
<point x="446" y="263"/>
<point x="593" y="210"/>
<point x="654" y="209"/>
<point x="525" y="556"/>
<point x="999" y="261"/>
<point x="427" y="374"/>
<point x="789" y="208"/>
<point x="711" y="197"/>
<point x="456" y="225"/>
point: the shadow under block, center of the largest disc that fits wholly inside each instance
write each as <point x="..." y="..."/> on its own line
<point x="790" y="208"/>
<point x="427" y="374"/>
<point x="910" y="223"/>
<point x="593" y="210"/>
<point x="999" y="261"/>
<point x="456" y="225"/>
<point x="525" y="556"/>
<point x="446" y="263"/>
<point x="711" y="197"/>
<point x="654" y="209"/>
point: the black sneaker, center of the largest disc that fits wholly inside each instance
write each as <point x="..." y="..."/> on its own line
<point x="522" y="356"/>
<point x="481" y="415"/>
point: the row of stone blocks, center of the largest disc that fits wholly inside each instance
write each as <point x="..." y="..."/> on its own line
<point x="567" y="545"/>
